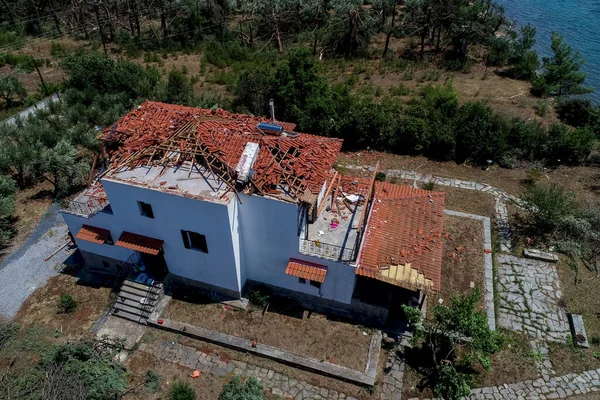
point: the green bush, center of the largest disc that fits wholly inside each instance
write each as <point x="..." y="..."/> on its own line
<point x="399" y="90"/>
<point x="181" y="391"/>
<point x="548" y="206"/>
<point x="579" y="113"/>
<point x="259" y="297"/>
<point x="238" y="390"/>
<point x="152" y="381"/>
<point x="66" y="304"/>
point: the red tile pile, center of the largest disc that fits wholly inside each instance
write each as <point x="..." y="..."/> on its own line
<point x="306" y="270"/>
<point x="405" y="226"/>
<point x="93" y="234"/>
<point x="144" y="244"/>
<point x="301" y="161"/>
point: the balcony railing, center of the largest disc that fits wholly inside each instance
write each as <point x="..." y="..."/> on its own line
<point x="325" y="250"/>
<point x="88" y="207"/>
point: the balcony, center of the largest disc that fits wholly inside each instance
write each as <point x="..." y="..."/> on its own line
<point x="89" y="202"/>
<point x="327" y="251"/>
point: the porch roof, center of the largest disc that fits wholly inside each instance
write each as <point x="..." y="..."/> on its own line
<point x="140" y="243"/>
<point x="92" y="234"/>
<point x="306" y="270"/>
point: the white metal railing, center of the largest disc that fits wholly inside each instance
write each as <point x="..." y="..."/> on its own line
<point x="325" y="250"/>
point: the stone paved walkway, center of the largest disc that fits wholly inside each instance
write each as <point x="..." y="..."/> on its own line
<point x="542" y="361"/>
<point x="529" y="294"/>
<point x="393" y="377"/>
<point x="278" y="384"/>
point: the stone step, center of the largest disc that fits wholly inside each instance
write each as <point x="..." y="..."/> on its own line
<point x="140" y="286"/>
<point x="134" y="297"/>
<point x="130" y="317"/>
<point x="135" y="304"/>
<point x="119" y="307"/>
<point x="138" y="292"/>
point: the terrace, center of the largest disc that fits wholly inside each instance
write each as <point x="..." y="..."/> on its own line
<point x="335" y="234"/>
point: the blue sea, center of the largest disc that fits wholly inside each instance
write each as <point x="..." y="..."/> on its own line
<point x="577" y="20"/>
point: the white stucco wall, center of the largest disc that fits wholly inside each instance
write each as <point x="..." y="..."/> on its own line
<point x="269" y="232"/>
<point x="219" y="267"/>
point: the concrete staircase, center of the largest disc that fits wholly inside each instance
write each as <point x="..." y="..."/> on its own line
<point x="136" y="301"/>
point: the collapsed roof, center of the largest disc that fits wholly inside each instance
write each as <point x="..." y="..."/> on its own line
<point x="289" y="165"/>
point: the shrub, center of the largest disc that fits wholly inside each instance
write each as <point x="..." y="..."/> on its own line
<point x="429" y="186"/>
<point x="578" y="113"/>
<point x="236" y="390"/>
<point x="542" y="107"/>
<point x="399" y="90"/>
<point x="258" y="297"/>
<point x="548" y="206"/>
<point x="66" y="304"/>
<point x="181" y="391"/>
<point x="152" y="381"/>
<point x="380" y="176"/>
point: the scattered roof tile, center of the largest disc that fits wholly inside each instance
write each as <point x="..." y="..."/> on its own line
<point x="306" y="270"/>
<point x="93" y="234"/>
<point x="140" y="243"/>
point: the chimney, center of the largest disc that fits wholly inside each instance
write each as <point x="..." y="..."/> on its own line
<point x="272" y="109"/>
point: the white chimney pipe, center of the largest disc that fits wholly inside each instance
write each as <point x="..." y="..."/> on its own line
<point x="272" y="109"/>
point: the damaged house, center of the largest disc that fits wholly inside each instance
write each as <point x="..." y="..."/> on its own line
<point x="220" y="202"/>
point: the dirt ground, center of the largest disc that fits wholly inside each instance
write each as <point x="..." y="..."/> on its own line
<point x="462" y="263"/>
<point x="579" y="287"/>
<point x="358" y="392"/>
<point x="284" y="326"/>
<point x="584" y="181"/>
<point x="31" y="204"/>
<point x="93" y="297"/>
<point x="207" y="386"/>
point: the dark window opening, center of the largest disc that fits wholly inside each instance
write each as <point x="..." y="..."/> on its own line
<point x="105" y="264"/>
<point x="109" y="240"/>
<point x="146" y="209"/>
<point x="315" y="284"/>
<point x="193" y="240"/>
<point x="301" y="280"/>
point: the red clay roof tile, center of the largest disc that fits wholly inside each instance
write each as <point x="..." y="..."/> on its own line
<point x="140" y="243"/>
<point x="306" y="270"/>
<point x="93" y="234"/>
<point x="405" y="226"/>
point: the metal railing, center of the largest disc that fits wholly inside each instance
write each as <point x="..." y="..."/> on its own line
<point x="327" y="251"/>
<point x="89" y="207"/>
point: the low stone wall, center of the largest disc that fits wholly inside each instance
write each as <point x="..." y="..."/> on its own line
<point x="310" y="364"/>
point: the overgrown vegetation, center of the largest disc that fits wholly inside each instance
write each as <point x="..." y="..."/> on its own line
<point x="81" y="370"/>
<point x="66" y="304"/>
<point x="181" y="391"/>
<point x="556" y="218"/>
<point x="152" y="381"/>
<point x="251" y="389"/>
<point x="457" y="338"/>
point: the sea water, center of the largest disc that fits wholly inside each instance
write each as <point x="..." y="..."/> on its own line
<point x="577" y="20"/>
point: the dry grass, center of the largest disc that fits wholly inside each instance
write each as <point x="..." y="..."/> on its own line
<point x="462" y="263"/>
<point x="31" y="204"/>
<point x="579" y="288"/>
<point x="583" y="181"/>
<point x="207" y="386"/>
<point x="40" y="307"/>
<point x="284" y="326"/>
<point x="468" y="201"/>
<point x="226" y="354"/>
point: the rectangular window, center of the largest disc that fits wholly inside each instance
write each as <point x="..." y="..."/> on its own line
<point x="193" y="240"/>
<point x="109" y="240"/>
<point x="315" y="284"/>
<point x="145" y="209"/>
<point x="301" y="280"/>
<point x="105" y="264"/>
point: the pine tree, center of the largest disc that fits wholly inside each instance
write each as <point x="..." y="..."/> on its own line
<point x="562" y="75"/>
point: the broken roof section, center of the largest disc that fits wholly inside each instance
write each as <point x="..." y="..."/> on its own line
<point x="288" y="165"/>
<point x="404" y="228"/>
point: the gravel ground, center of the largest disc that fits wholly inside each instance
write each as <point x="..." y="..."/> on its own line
<point x="25" y="270"/>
